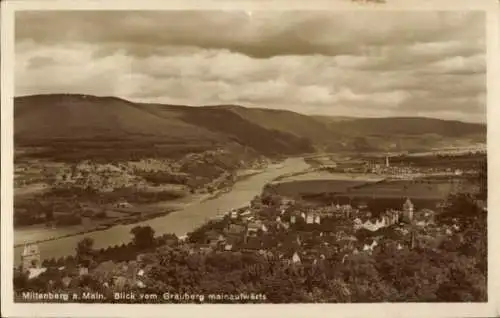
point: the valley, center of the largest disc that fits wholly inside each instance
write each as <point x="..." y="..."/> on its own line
<point x="110" y="162"/>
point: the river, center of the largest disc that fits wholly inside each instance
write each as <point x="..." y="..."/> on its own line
<point x="179" y="222"/>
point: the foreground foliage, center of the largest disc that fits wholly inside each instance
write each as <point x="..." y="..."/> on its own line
<point x="454" y="272"/>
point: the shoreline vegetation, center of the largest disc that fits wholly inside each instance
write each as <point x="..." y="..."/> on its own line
<point x="103" y="227"/>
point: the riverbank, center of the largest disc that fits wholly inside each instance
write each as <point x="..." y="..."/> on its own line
<point x="40" y="233"/>
<point x="44" y="232"/>
<point x="178" y="222"/>
<point x="98" y="227"/>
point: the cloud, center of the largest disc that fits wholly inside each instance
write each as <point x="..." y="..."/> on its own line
<point x="263" y="35"/>
<point x="363" y="63"/>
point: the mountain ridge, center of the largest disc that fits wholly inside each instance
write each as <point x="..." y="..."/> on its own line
<point x="73" y="120"/>
<point x="316" y="116"/>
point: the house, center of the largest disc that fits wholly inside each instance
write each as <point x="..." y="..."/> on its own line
<point x="346" y="209"/>
<point x="357" y="224"/>
<point x="369" y="247"/>
<point x="393" y="216"/>
<point x="380" y="223"/>
<point x="213" y="239"/>
<point x="246" y="213"/>
<point x="253" y="228"/>
<point x="370" y="224"/>
<point x="317" y="219"/>
<point x="326" y="212"/>
<point x="424" y="217"/>
<point x="123" y="205"/>
<point x="309" y="218"/>
<point x="83" y="271"/>
<point x="233" y="214"/>
<point x="35" y="272"/>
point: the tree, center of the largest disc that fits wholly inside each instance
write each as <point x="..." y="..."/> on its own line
<point x="85" y="251"/>
<point x="20" y="280"/>
<point x="461" y="209"/>
<point x="143" y="236"/>
<point x="49" y="215"/>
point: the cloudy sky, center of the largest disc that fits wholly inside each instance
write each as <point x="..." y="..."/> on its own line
<point x="357" y="63"/>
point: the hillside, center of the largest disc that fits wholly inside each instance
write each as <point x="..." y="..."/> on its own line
<point x="331" y="119"/>
<point x="406" y="126"/>
<point x="84" y="117"/>
<point x="110" y="127"/>
<point x="403" y="133"/>
<point x="286" y="121"/>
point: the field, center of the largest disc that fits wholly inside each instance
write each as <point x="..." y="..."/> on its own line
<point x="405" y="188"/>
<point x="426" y="189"/>
<point x="306" y="187"/>
<point x="327" y="176"/>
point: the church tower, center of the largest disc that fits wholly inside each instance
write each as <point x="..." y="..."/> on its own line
<point x="30" y="257"/>
<point x="408" y="209"/>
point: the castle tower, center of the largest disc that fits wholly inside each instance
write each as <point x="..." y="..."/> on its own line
<point x="408" y="209"/>
<point x="30" y="257"/>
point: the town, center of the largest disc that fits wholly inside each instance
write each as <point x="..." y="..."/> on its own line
<point x="292" y="234"/>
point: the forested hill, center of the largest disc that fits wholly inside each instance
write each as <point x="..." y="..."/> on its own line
<point x="63" y="121"/>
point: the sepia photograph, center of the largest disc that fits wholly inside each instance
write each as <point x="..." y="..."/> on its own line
<point x="246" y="156"/>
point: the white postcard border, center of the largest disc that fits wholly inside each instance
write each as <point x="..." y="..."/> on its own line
<point x="491" y="308"/>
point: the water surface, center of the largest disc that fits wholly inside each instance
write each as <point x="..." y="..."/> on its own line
<point x="179" y="222"/>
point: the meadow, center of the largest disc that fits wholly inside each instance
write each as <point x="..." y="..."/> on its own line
<point x="427" y="192"/>
<point x="307" y="187"/>
<point x="406" y="188"/>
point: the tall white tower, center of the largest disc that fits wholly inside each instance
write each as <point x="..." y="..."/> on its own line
<point x="408" y="209"/>
<point x="31" y="257"/>
<point x="387" y="161"/>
